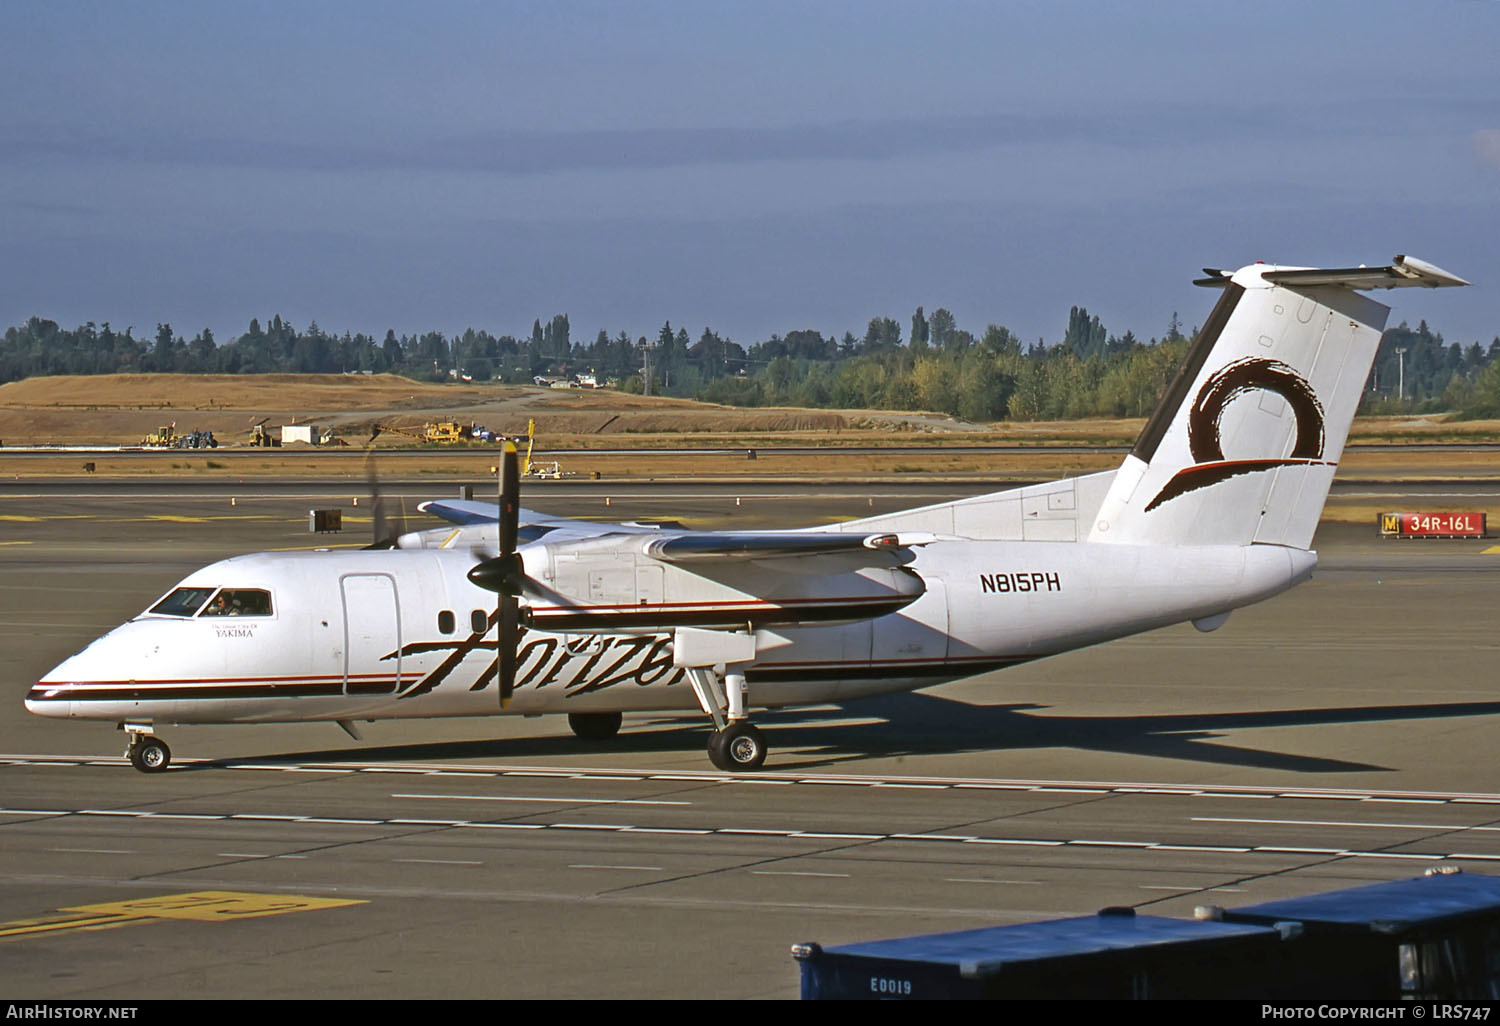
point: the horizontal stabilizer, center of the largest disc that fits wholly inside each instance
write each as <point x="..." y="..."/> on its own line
<point x="1403" y="272"/>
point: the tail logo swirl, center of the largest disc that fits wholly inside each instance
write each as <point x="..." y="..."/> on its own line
<point x="1206" y="415"/>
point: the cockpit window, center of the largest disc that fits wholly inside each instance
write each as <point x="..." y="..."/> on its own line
<point x="182" y="602"/>
<point x="239" y="602"/>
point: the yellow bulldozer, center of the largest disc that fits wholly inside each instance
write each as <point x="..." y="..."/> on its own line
<point x="442" y="431"/>
<point x="162" y="438"/>
<point x="447" y="431"/>
<point x="262" y="437"/>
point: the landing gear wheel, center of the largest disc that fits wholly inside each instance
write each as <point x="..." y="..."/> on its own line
<point x="149" y="754"/>
<point x="738" y="748"/>
<point x="598" y="726"/>
<point x="716" y="749"/>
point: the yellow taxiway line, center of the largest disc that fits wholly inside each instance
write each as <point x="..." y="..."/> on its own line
<point x="196" y="906"/>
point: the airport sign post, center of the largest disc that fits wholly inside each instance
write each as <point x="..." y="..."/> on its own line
<point x="1432" y="525"/>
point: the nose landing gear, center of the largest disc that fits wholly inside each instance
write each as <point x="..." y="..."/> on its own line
<point x="147" y="753"/>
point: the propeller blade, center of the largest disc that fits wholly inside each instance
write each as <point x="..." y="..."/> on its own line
<point x="398" y="526"/>
<point x="507" y="652"/>
<point x="510" y="499"/>
<point x="385" y="528"/>
<point x="505" y="571"/>
<point x="383" y="538"/>
<point x="510" y="571"/>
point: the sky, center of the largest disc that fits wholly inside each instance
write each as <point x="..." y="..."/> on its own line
<point x="750" y="168"/>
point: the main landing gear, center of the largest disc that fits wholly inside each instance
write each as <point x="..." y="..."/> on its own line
<point x="147" y="753"/>
<point x="736" y="745"/>
<point x="714" y="661"/>
<point x="596" y="726"/>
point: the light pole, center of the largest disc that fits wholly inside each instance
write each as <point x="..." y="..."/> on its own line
<point x="646" y="348"/>
<point x="1401" y="374"/>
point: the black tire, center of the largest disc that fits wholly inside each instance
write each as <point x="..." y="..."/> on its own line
<point x="716" y="751"/>
<point x="596" y="726"/>
<point x="738" y="748"/>
<point x="150" y="755"/>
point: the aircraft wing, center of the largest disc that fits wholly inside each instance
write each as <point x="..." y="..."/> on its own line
<point x="671" y="544"/>
<point x="464" y="512"/>
<point x="726" y="580"/>
<point x="473" y="512"/>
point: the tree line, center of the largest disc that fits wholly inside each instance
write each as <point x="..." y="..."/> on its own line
<point x="937" y="366"/>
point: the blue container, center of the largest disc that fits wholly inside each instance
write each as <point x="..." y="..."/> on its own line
<point x="1113" y="955"/>
<point x="1430" y="937"/>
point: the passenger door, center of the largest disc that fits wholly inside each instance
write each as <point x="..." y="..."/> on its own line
<point x="372" y="634"/>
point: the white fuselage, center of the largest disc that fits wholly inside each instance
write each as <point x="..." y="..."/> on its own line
<point x="392" y="634"/>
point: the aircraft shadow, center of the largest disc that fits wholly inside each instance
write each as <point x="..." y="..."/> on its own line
<point x="911" y="724"/>
<point x="919" y="724"/>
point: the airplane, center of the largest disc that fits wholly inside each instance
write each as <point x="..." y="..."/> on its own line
<point x="511" y="611"/>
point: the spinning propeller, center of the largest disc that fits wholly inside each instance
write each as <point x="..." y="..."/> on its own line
<point x="505" y="572"/>
<point x="386" y="530"/>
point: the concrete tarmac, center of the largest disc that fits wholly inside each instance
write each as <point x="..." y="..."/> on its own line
<point x="1339" y="734"/>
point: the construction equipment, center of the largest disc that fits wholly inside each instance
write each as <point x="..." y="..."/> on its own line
<point x="447" y="431"/>
<point x="443" y="432"/>
<point x="260" y="438"/>
<point x="196" y="440"/>
<point x="162" y="438"/>
<point x="166" y="437"/>
<point x="545" y="471"/>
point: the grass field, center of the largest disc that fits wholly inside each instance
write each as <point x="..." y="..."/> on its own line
<point x="121" y="409"/>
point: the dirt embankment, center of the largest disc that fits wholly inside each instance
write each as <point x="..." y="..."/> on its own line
<point x="121" y="409"/>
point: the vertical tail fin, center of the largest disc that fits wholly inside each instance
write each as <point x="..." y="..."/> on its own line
<point x="1244" y="446"/>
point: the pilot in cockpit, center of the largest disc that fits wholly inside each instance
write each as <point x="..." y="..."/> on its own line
<point x="224" y="605"/>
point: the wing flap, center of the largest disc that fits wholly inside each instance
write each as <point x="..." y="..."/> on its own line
<point x="697" y="547"/>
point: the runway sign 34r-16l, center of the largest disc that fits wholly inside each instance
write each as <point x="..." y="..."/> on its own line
<point x="1432" y="525"/>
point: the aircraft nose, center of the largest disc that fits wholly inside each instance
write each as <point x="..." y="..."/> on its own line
<point x="48" y="697"/>
<point x="53" y="694"/>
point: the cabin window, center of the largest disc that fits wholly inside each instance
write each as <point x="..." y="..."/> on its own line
<point x="182" y="602"/>
<point x="445" y="621"/>
<point x="479" y="621"/>
<point x="239" y="602"/>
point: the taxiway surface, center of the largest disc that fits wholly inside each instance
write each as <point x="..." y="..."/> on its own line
<point x="1339" y="734"/>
